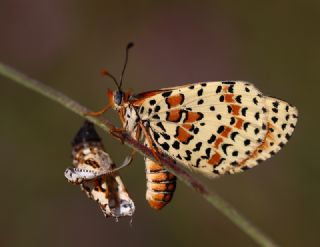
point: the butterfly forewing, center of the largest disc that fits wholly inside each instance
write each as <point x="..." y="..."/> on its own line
<point x="214" y="126"/>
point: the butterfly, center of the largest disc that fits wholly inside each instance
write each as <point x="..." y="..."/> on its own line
<point x="215" y="128"/>
<point x="97" y="175"/>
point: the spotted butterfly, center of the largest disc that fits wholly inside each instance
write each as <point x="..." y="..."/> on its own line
<point x="97" y="175"/>
<point x="216" y="128"/>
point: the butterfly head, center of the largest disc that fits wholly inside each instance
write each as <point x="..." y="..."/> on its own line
<point x="118" y="97"/>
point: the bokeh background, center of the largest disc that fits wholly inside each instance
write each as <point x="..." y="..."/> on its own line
<point x="274" y="44"/>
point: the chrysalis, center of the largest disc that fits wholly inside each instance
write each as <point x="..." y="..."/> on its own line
<point x="97" y="175"/>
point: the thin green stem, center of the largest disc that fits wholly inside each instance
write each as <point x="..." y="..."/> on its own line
<point x="214" y="199"/>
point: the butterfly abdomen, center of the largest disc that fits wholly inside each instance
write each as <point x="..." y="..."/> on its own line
<point x="161" y="185"/>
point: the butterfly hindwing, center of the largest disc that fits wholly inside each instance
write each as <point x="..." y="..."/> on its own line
<point x="281" y="121"/>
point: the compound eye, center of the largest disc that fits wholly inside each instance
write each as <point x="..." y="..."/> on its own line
<point x="118" y="97"/>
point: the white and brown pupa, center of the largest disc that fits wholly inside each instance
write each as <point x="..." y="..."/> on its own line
<point x="97" y="175"/>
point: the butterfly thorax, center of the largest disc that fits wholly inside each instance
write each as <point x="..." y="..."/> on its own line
<point x="127" y="112"/>
<point x="131" y="118"/>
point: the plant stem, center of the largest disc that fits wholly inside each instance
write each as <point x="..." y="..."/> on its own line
<point x="214" y="199"/>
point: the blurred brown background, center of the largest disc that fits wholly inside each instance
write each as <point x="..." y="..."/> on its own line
<point x="274" y="44"/>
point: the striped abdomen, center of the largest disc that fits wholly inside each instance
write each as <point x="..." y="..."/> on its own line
<point x="161" y="185"/>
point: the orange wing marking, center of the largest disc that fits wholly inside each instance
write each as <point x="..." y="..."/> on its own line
<point x="192" y="117"/>
<point x="140" y="98"/>
<point x="229" y="98"/>
<point x="187" y="126"/>
<point x="215" y="159"/>
<point x="175" y="100"/>
<point x="226" y="131"/>
<point x="264" y="145"/>
<point x="235" y="109"/>
<point x="218" y="142"/>
<point x="225" y="89"/>
<point x="239" y="123"/>
<point x="174" y="116"/>
<point x="183" y="136"/>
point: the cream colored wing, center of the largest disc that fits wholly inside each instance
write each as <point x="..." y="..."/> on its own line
<point x="212" y="126"/>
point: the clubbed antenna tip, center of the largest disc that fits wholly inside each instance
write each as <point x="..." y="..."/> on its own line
<point x="130" y="45"/>
<point x="125" y="63"/>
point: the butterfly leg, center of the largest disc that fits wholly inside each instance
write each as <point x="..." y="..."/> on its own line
<point x="118" y="133"/>
<point x="150" y="142"/>
<point x="99" y="113"/>
<point x="106" y="108"/>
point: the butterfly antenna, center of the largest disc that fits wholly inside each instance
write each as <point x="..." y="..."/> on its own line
<point x="105" y="72"/>
<point x="130" y="45"/>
